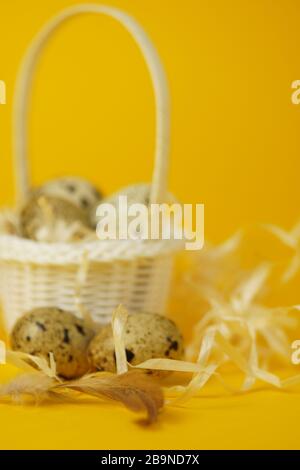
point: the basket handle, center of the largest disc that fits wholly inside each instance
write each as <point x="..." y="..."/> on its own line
<point x="159" y="81"/>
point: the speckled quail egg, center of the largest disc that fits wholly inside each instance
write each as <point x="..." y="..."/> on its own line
<point x="136" y="194"/>
<point x="77" y="191"/>
<point x="45" y="330"/>
<point x="50" y="219"/>
<point x="146" y="336"/>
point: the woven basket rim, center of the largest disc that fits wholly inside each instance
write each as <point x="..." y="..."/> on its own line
<point x="17" y="249"/>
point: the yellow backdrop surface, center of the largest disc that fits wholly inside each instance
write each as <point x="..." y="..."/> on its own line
<point x="235" y="147"/>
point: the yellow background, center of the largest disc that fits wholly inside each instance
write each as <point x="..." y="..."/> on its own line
<point x="235" y="147"/>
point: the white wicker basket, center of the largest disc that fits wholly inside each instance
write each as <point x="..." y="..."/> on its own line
<point x="101" y="274"/>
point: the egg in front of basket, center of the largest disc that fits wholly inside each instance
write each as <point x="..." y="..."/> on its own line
<point x="45" y="330"/>
<point x="146" y="336"/>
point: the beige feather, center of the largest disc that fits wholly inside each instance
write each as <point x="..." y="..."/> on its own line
<point x="134" y="389"/>
<point x="37" y="385"/>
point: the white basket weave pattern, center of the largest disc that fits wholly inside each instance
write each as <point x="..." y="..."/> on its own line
<point x="142" y="285"/>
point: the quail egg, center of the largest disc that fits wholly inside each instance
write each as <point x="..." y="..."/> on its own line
<point x="50" y="219"/>
<point x="77" y="191"/>
<point x="46" y="330"/>
<point x="146" y="336"/>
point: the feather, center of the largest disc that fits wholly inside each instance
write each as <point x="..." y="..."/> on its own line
<point x="134" y="389"/>
<point x="34" y="384"/>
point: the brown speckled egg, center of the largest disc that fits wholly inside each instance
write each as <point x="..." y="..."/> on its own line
<point x="48" y="219"/>
<point x="77" y="191"/>
<point x="147" y="336"/>
<point x="45" y="330"/>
